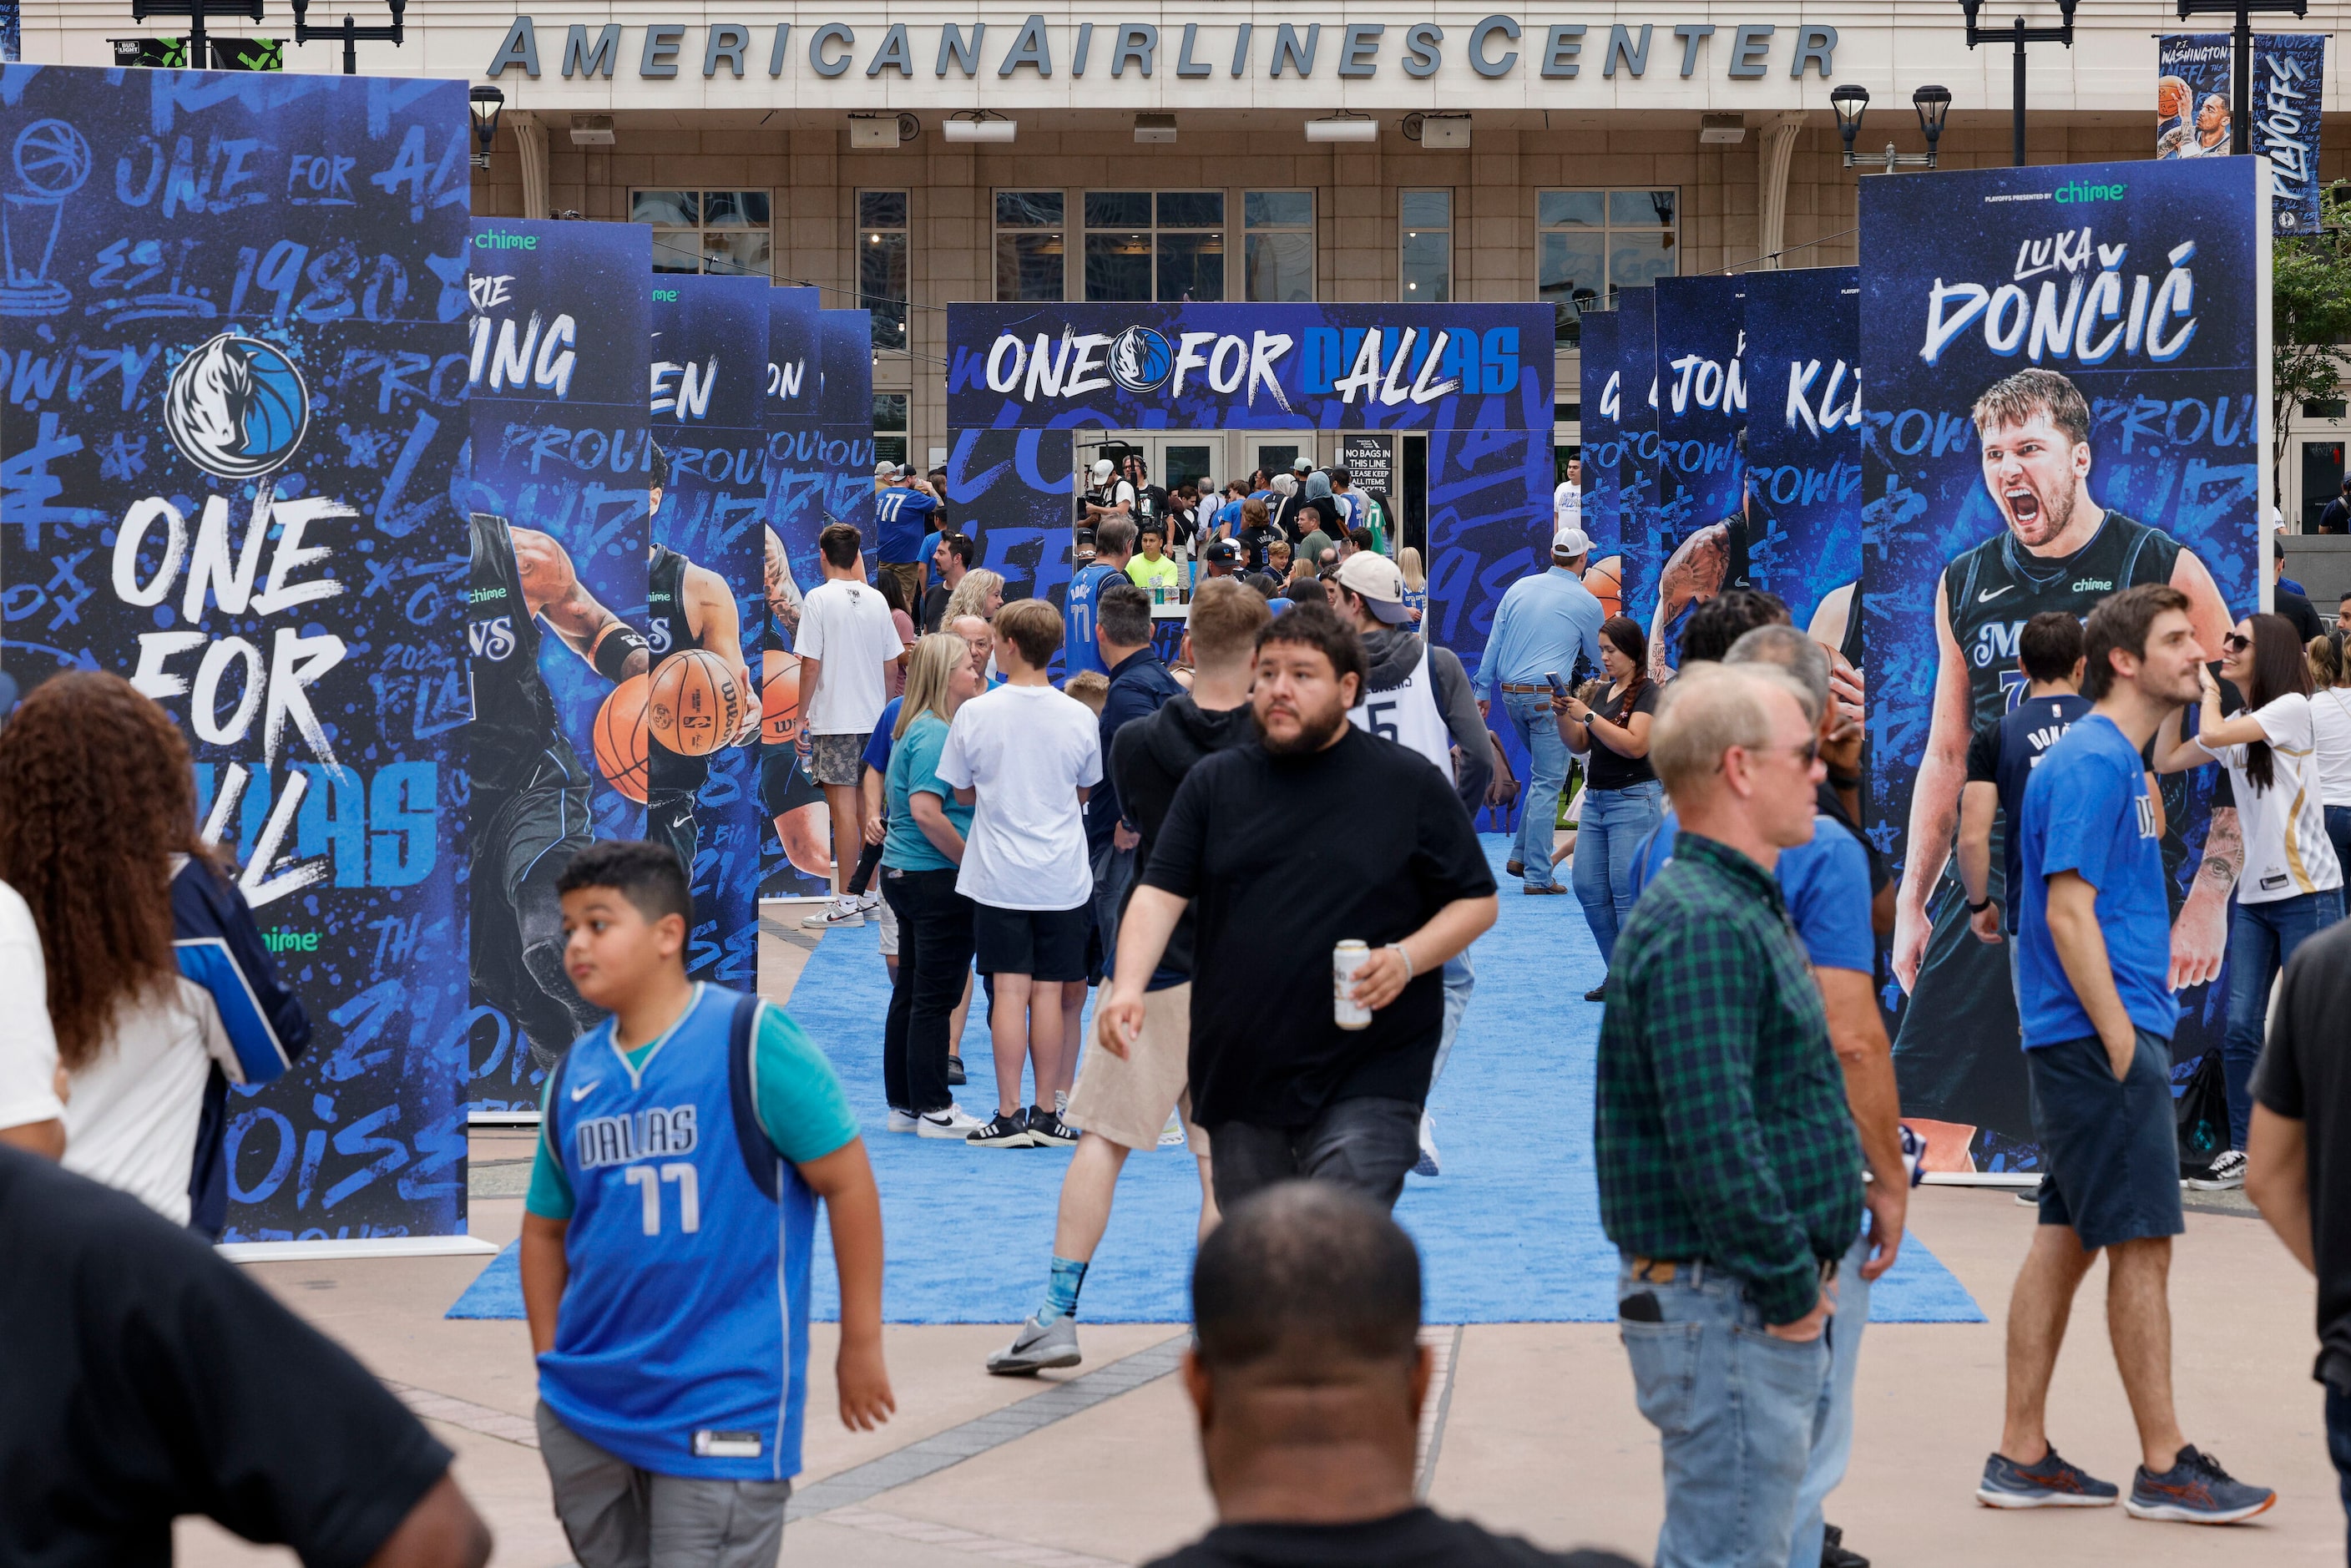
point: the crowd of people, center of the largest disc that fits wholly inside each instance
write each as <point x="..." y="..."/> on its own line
<point x="1130" y="836"/>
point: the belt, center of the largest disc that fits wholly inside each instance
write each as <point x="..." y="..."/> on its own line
<point x="1515" y="686"/>
<point x="1662" y="1270"/>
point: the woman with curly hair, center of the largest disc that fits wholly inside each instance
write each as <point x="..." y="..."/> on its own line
<point x="159" y="989"/>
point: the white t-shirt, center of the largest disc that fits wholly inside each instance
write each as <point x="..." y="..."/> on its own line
<point x="848" y="626"/>
<point x="1026" y="750"/>
<point x="2287" y="852"/>
<point x="2330" y="716"/>
<point x="28" y="1048"/>
<point x="1567" y="506"/>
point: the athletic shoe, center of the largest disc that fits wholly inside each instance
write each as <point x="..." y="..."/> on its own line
<point x="955" y="1079"/>
<point x="1598" y="993"/>
<point x="1833" y="1551"/>
<point x="2195" y="1490"/>
<point x="1038" y="1346"/>
<point x="870" y="902"/>
<point x="1516" y="868"/>
<point x="954" y="1121"/>
<point x="902" y="1120"/>
<point x="1061" y="1101"/>
<point x="2051" y="1483"/>
<point x="1002" y="1131"/>
<point x="1427" y="1164"/>
<point x="2225" y="1174"/>
<point x="1543" y="889"/>
<point x="1047" y="1128"/>
<point x="836" y="914"/>
<point x="1171" y="1136"/>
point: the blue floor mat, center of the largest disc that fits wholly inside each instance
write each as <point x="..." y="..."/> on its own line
<point x="1510" y="1233"/>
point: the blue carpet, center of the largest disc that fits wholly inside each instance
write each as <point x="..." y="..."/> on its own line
<point x="1510" y="1233"/>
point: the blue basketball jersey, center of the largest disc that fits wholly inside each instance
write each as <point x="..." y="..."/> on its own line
<point x="681" y="1342"/>
<point x="1079" y="652"/>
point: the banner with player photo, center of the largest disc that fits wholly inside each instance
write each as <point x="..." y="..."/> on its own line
<point x="1702" y="533"/>
<point x="1803" y="446"/>
<point x="237" y="392"/>
<point x="2194" y="111"/>
<point x="1638" y="450"/>
<point x="555" y="493"/>
<point x="2068" y="379"/>
<point x="845" y="340"/>
<point x="1601" y="379"/>
<point x="796" y="848"/>
<point x="705" y="604"/>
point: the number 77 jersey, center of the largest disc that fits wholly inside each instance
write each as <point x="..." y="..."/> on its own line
<point x="681" y="1342"/>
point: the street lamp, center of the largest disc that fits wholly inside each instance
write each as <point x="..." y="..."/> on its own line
<point x="2021" y="35"/>
<point x="2240" y="51"/>
<point x="484" y="104"/>
<point x="197" y="12"/>
<point x="1932" y="104"/>
<point x="350" y="33"/>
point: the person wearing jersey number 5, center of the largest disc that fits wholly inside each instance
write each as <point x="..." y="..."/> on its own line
<point x="667" y="1239"/>
<point x="1621" y="798"/>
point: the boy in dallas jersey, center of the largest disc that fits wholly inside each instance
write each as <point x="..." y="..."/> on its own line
<point x="667" y="1235"/>
<point x="2060" y="550"/>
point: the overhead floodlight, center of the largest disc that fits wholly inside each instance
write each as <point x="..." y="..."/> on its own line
<point x="980" y="125"/>
<point x="1721" y="129"/>
<point x="1343" y="126"/>
<point x="1156" y="128"/>
<point x="591" y="130"/>
<point x="882" y="129"/>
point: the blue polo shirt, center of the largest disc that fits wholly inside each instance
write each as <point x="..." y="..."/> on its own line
<point x="1544" y="622"/>
<point x="1825" y="883"/>
<point x="2088" y="810"/>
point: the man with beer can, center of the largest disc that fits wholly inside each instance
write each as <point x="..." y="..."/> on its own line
<point x="1282" y="1083"/>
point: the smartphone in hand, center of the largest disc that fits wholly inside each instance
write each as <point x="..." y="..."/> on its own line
<point x="1558" y="686"/>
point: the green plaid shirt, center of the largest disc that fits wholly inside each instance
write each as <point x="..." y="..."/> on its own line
<point x="1723" y="1131"/>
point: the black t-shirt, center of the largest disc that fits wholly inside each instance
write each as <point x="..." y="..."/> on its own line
<point x="1416" y="1539"/>
<point x="1605" y="769"/>
<point x="2305" y="1074"/>
<point x="145" y="1379"/>
<point x="2336" y="517"/>
<point x="2297" y="609"/>
<point x="2004" y="755"/>
<point x="1253" y="539"/>
<point x="1271" y="906"/>
<point x="935" y="605"/>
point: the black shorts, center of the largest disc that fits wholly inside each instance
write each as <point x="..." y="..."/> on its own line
<point x="1957" y="1055"/>
<point x="1042" y="944"/>
<point x="539" y="827"/>
<point x="2112" y="1148"/>
<point x="669" y="820"/>
<point x="783" y="786"/>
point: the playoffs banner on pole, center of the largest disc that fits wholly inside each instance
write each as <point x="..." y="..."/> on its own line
<point x="233" y="328"/>
<point x="2068" y="376"/>
<point x="2193" y="113"/>
<point x="556" y="494"/>
<point x="1803" y="446"/>
<point x="1601" y="389"/>
<point x="795" y="852"/>
<point x="1701" y="430"/>
<point x="704" y="602"/>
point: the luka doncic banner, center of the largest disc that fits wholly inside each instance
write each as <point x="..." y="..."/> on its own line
<point x="2068" y="377"/>
<point x="554" y="492"/>
<point x="1601" y="384"/>
<point x="1803" y="446"/>
<point x="2194" y="113"/>
<point x="796" y="846"/>
<point x="705" y="604"/>
<point x="1638" y="449"/>
<point x="1703" y="534"/>
<point x="233" y="328"/>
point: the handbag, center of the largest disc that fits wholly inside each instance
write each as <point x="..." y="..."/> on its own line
<point x="2201" y="1106"/>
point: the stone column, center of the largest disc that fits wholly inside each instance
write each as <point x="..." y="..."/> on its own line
<point x="1773" y="157"/>
<point x="531" y="145"/>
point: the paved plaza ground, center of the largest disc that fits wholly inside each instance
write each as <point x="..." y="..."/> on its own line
<point x="1533" y="1428"/>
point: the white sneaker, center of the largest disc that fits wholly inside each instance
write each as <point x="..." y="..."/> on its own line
<point x="1427" y="1164"/>
<point x="1171" y="1136"/>
<point x="836" y="914"/>
<point x="954" y="1121"/>
<point x="870" y="900"/>
<point x="904" y="1121"/>
<point x="1060" y="1101"/>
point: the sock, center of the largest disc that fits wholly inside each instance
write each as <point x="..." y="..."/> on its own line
<point x="1061" y="1289"/>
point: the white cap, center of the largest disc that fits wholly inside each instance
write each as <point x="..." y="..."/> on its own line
<point x="1378" y="583"/>
<point x="885" y="469"/>
<point x="1569" y="543"/>
<point x="1103" y="469"/>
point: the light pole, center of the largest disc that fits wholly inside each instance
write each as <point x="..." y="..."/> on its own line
<point x="350" y="31"/>
<point x="1933" y="103"/>
<point x="196" y="11"/>
<point x="2240" y="51"/>
<point x="2021" y="35"/>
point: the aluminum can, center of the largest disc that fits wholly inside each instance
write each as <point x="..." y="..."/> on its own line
<point x="1346" y="958"/>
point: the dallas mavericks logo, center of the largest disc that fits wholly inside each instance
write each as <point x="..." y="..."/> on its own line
<point x="237" y="407"/>
<point x="1140" y="360"/>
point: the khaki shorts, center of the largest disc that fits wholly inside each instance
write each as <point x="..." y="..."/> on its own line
<point x="1128" y="1101"/>
<point x="889" y="917"/>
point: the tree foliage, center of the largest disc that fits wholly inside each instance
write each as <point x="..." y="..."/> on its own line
<point x="2310" y="326"/>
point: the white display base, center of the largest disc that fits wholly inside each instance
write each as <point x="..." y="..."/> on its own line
<point x="1981" y="1178"/>
<point x="794" y="898"/>
<point x="363" y="1247"/>
<point x="502" y="1119"/>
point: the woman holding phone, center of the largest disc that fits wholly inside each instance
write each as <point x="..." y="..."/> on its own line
<point x="1621" y="798"/>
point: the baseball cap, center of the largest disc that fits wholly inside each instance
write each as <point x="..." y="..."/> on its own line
<point x="1569" y="543"/>
<point x="885" y="470"/>
<point x="1103" y="469"/>
<point x="1303" y="466"/>
<point x="1376" y="580"/>
<point x="1223" y="552"/>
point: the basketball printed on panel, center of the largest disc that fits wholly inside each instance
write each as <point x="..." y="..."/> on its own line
<point x="697" y="705"/>
<point x="780" y="696"/>
<point x="622" y="754"/>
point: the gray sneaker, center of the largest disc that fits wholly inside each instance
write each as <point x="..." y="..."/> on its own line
<point x="1038" y="1346"/>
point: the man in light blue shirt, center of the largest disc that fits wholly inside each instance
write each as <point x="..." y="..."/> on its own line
<point x="1544" y="622"/>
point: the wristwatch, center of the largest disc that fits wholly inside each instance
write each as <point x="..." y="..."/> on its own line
<point x="1979" y="908"/>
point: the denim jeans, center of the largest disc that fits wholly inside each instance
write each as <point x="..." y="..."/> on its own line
<point x="1365" y="1145"/>
<point x="1460" y="980"/>
<point x="2339" y="833"/>
<point x="1614" y="823"/>
<point x="1736" y="1409"/>
<point x="1547" y="756"/>
<point x="1832" y="1436"/>
<point x="934" y="940"/>
<point x="2262" y="938"/>
<point x="1114" y="870"/>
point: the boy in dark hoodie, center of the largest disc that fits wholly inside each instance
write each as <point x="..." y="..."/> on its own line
<point x="1121" y="1103"/>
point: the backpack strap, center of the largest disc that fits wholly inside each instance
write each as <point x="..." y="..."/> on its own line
<point x="760" y="1157"/>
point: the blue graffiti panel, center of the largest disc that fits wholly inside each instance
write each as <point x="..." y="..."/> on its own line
<point x="233" y="348"/>
<point x="1702" y="524"/>
<point x="1600" y="387"/>
<point x="705" y="604"/>
<point x="795" y="851"/>
<point x="555" y="494"/>
<point x="1803" y="443"/>
<point x="2106" y="315"/>
<point x="845" y="340"/>
<point x="1639" y="453"/>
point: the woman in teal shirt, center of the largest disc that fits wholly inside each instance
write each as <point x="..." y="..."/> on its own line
<point x="920" y="852"/>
